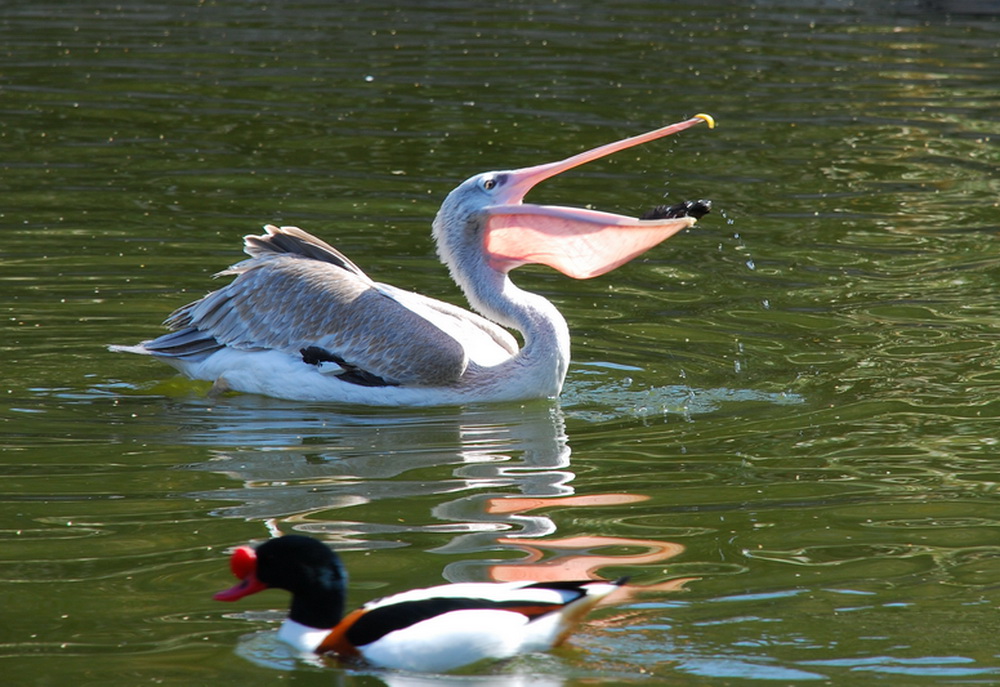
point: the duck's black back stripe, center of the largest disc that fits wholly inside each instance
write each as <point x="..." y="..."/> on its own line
<point x="566" y="585"/>
<point x="379" y="622"/>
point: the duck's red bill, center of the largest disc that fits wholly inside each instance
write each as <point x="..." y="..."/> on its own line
<point x="246" y="587"/>
<point x="243" y="563"/>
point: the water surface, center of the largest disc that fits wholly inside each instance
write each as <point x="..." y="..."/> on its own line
<point x="781" y="424"/>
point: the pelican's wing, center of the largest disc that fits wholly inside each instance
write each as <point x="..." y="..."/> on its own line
<point x="485" y="341"/>
<point x="300" y="295"/>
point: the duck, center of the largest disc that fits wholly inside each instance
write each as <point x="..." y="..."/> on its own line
<point x="301" y="321"/>
<point x="431" y="630"/>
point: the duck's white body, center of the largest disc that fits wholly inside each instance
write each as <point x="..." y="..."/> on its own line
<point x="458" y="638"/>
<point x="301" y="321"/>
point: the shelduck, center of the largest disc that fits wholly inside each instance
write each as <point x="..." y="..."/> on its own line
<point x="424" y="630"/>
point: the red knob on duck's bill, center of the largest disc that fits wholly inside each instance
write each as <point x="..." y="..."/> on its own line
<point x="425" y="630"/>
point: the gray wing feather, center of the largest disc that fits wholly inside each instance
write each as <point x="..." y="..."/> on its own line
<point x="469" y="323"/>
<point x="279" y="240"/>
<point x="297" y="291"/>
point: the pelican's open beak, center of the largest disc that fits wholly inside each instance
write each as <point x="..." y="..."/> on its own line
<point x="579" y="243"/>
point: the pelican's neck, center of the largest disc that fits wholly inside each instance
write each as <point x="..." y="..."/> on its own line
<point x="546" y="348"/>
<point x="540" y="366"/>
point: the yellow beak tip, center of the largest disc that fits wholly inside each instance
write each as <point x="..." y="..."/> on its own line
<point x="709" y="119"/>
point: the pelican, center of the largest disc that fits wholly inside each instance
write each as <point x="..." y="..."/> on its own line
<point x="300" y="321"/>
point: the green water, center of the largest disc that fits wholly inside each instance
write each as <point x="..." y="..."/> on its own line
<point x="782" y="423"/>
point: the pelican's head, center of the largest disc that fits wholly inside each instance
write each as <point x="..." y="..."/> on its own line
<point x="484" y="221"/>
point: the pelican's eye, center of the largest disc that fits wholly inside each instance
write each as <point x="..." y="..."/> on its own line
<point x="489" y="183"/>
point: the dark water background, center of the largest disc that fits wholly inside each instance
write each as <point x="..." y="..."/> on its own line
<point x="784" y="422"/>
